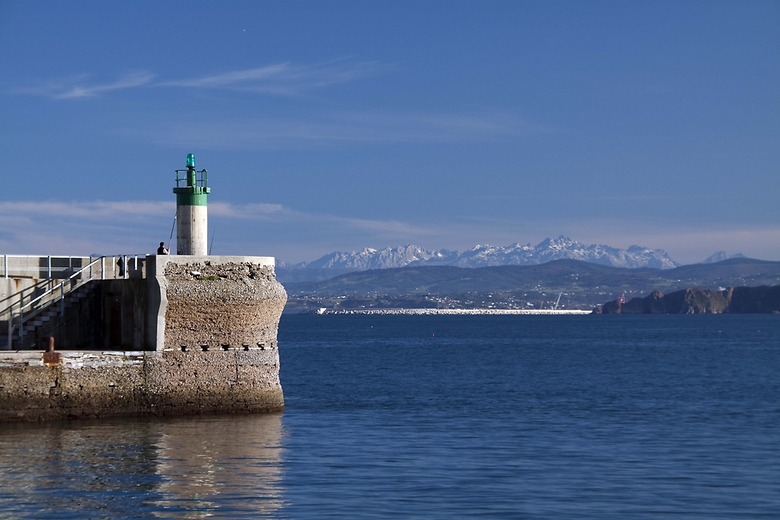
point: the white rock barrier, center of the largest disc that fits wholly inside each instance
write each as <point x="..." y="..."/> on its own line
<point x="489" y="312"/>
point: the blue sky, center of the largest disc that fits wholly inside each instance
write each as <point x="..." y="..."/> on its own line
<point x="339" y="125"/>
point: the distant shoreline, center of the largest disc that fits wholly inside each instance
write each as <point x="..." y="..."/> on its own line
<point x="491" y="312"/>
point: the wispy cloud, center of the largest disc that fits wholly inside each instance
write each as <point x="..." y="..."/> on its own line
<point x="110" y="227"/>
<point x="282" y="79"/>
<point x="130" y="227"/>
<point x="283" y="215"/>
<point x="92" y="209"/>
<point x="81" y="86"/>
<point x="326" y="129"/>
<point x="246" y="211"/>
<point x="85" y="227"/>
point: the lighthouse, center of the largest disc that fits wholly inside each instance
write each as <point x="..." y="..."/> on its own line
<point x="191" y="211"/>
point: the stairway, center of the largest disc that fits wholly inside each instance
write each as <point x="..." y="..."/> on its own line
<point x="49" y="318"/>
<point x="32" y="316"/>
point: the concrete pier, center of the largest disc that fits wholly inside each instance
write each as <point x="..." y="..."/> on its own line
<point x="202" y="332"/>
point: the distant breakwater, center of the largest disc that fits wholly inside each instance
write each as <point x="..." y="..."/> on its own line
<point x="427" y="312"/>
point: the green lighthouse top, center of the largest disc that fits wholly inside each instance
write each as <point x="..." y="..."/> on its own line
<point x="195" y="188"/>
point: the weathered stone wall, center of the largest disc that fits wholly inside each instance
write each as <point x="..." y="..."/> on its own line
<point x="233" y="381"/>
<point x="115" y="384"/>
<point x="233" y="303"/>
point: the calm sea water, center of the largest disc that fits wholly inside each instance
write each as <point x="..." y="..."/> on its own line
<point x="447" y="416"/>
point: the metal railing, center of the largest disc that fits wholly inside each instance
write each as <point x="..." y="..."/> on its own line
<point x="201" y="178"/>
<point x="120" y="268"/>
<point x="40" y="266"/>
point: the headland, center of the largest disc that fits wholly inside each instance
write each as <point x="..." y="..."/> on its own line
<point x="734" y="300"/>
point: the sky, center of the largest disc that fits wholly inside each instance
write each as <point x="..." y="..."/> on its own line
<point x="338" y="125"/>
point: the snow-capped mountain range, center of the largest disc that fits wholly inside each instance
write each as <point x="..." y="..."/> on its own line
<point x="486" y="255"/>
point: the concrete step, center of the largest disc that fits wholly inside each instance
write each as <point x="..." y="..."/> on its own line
<point x="53" y="308"/>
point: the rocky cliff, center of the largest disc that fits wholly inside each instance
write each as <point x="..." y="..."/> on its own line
<point x="735" y="300"/>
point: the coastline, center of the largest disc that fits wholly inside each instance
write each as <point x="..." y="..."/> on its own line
<point x="489" y="312"/>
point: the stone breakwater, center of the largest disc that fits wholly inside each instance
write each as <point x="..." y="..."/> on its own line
<point x="234" y="304"/>
<point x="487" y="312"/>
<point x="116" y="384"/>
<point x="210" y="346"/>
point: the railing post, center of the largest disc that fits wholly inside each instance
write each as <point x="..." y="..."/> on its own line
<point x="5" y="265"/>
<point x="102" y="267"/>
<point x="48" y="268"/>
<point x="62" y="299"/>
<point x="10" y="326"/>
<point x="21" y="317"/>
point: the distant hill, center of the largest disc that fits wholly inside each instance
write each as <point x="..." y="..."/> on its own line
<point x="582" y="283"/>
<point x="734" y="300"/>
<point x="720" y="256"/>
<point x="516" y="254"/>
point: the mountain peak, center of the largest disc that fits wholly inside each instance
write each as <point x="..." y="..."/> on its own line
<point x="720" y="256"/>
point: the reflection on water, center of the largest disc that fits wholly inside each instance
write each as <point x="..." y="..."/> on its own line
<point x="180" y="468"/>
<point x="205" y="459"/>
<point x="575" y="417"/>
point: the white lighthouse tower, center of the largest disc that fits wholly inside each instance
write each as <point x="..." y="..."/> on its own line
<point x="191" y="210"/>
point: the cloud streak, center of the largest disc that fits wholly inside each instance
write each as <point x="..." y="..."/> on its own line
<point x="80" y="86"/>
<point x="286" y="216"/>
<point x="343" y="127"/>
<point x="90" y="210"/>
<point x="280" y="79"/>
<point x="285" y="79"/>
<point x="131" y="227"/>
<point x="315" y="129"/>
<point x="135" y="227"/>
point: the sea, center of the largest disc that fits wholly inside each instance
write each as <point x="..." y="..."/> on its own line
<point x="537" y="417"/>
